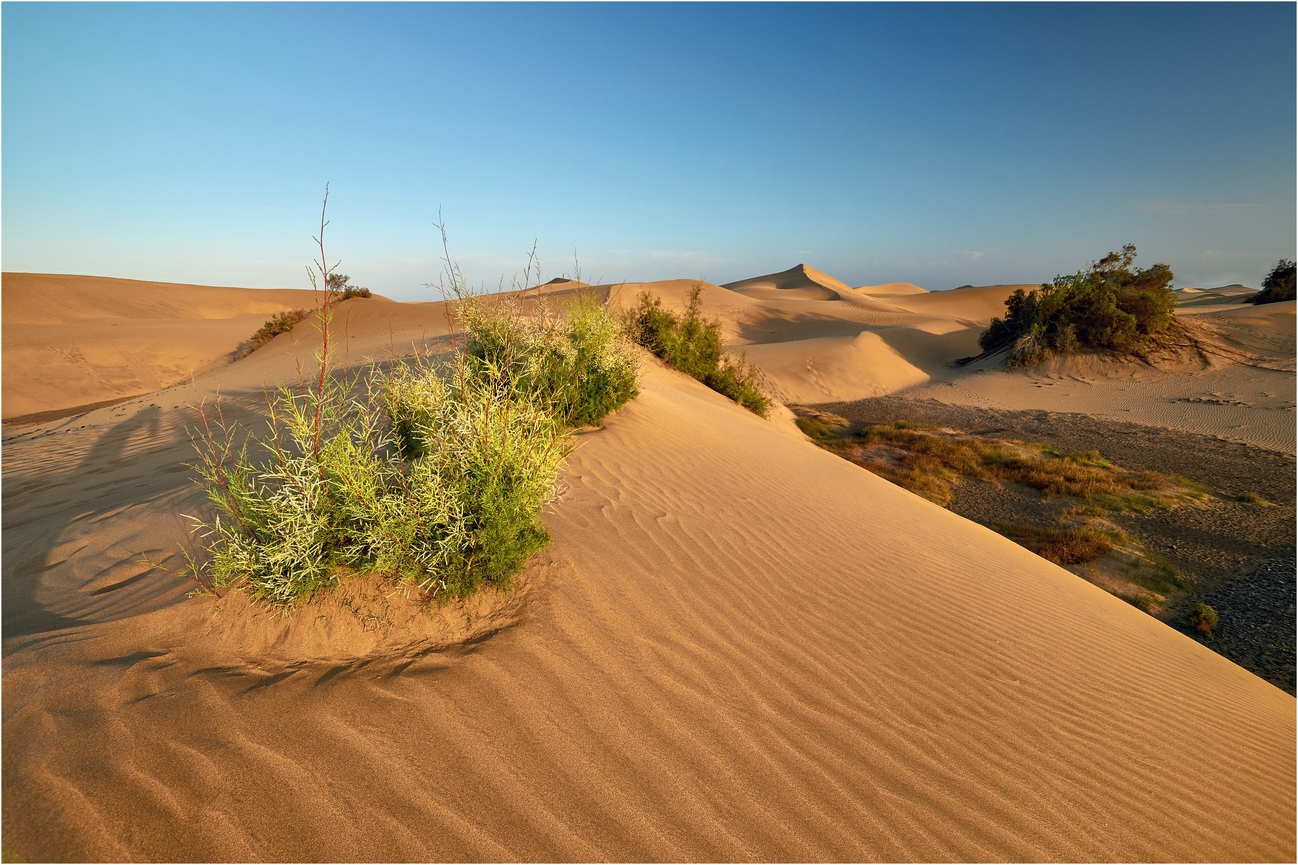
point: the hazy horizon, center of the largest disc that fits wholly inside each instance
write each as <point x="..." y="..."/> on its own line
<point x="936" y="144"/>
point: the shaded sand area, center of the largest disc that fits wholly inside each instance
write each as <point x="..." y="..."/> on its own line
<point x="738" y="646"/>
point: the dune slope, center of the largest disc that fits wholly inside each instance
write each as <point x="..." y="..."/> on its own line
<point x="738" y="646"/>
<point x="76" y="340"/>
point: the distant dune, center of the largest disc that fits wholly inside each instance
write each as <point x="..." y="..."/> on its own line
<point x="738" y="646"/>
<point x="73" y="340"/>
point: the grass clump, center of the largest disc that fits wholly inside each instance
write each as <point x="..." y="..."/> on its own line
<point x="280" y="322"/>
<point x="1278" y="285"/>
<point x="1203" y="619"/>
<point x="692" y="344"/>
<point x="433" y="472"/>
<point x="928" y="463"/>
<point x="1063" y="546"/>
<point x="1248" y="498"/>
<point x="1107" y="306"/>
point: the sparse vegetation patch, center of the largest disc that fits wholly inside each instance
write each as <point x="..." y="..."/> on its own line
<point x="1278" y="285"/>
<point x="433" y="472"/>
<point x="1203" y="619"/>
<point x="281" y="322"/>
<point x="1078" y="493"/>
<point x="340" y="287"/>
<point x="928" y="462"/>
<point x="692" y="344"/>
<point x="1108" y="306"/>
<point x="1063" y="546"/>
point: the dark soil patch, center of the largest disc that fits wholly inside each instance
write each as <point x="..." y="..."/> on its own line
<point x="1237" y="557"/>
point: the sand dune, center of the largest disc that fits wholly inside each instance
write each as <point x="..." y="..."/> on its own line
<point x="738" y="646"/>
<point x="76" y="340"/>
<point x="1195" y="300"/>
<point x="889" y="288"/>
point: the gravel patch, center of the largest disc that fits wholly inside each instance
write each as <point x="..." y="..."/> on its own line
<point x="1239" y="558"/>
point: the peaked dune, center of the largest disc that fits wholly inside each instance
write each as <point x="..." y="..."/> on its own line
<point x="801" y="282"/>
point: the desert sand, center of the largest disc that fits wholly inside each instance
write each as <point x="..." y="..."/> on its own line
<point x="737" y="646"/>
<point x="77" y="340"/>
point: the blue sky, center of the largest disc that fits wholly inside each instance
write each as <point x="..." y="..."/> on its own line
<point x="938" y="144"/>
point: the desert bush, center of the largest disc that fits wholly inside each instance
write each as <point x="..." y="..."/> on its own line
<point x="281" y="322"/>
<point x="1278" y="285"/>
<point x="340" y="287"/>
<point x="1107" y="306"/>
<point x="1203" y="619"/>
<point x="576" y="362"/>
<point x="692" y="344"/>
<point x="434" y="471"/>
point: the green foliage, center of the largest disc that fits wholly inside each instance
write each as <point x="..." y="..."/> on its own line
<point x="1108" y="306"/>
<point x="339" y="286"/>
<point x="431" y="473"/>
<point x="1278" y="285"/>
<point x="1203" y="619"/>
<point x="692" y="344"/>
<point x="281" y="322"/>
<point x="577" y="363"/>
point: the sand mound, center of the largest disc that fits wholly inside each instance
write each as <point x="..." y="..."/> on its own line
<point x="737" y="646"/>
<point x="889" y="288"/>
<point x="1191" y="301"/>
<point x="74" y="340"/>
<point x="831" y="368"/>
<point x="801" y="282"/>
<point x="976" y="303"/>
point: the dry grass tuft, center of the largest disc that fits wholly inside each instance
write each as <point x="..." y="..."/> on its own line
<point x="1066" y="546"/>
<point x="929" y="462"/>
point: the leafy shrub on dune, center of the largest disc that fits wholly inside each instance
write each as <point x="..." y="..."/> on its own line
<point x="339" y="285"/>
<point x="433" y="472"/>
<point x="1278" y="285"/>
<point x="1108" y="306"/>
<point x="280" y="322"/>
<point x="578" y="363"/>
<point x="692" y="344"/>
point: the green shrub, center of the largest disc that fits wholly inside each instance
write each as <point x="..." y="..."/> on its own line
<point x="431" y="473"/>
<point x="1108" y="306"/>
<point x="1278" y="285"/>
<point x="577" y="363"/>
<point x="692" y="344"/>
<point x="1203" y="618"/>
<point x="281" y="322"/>
<point x="339" y="285"/>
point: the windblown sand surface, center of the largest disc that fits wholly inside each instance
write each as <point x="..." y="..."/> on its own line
<point x="738" y="646"/>
<point x="76" y="340"/>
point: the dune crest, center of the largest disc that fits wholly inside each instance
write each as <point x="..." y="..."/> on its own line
<point x="801" y="281"/>
<point x="76" y="340"/>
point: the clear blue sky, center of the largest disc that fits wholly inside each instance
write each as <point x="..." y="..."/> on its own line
<point x="938" y="144"/>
